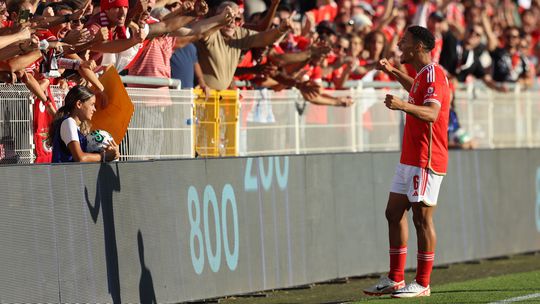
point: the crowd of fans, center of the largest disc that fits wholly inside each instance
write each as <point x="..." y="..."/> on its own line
<point x="277" y="44"/>
<point x="495" y="41"/>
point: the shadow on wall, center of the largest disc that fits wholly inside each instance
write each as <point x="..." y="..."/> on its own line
<point x="107" y="182"/>
<point x="147" y="294"/>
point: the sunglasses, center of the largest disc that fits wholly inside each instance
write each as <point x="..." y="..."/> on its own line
<point x="77" y="21"/>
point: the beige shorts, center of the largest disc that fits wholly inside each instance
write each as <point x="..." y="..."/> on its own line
<point x="419" y="184"/>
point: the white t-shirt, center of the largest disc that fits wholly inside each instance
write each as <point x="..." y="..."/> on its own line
<point x="122" y="59"/>
<point x="68" y="131"/>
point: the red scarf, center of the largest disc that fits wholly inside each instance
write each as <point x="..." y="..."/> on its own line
<point x="119" y="32"/>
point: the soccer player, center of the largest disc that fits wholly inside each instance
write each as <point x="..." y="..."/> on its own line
<point x="423" y="163"/>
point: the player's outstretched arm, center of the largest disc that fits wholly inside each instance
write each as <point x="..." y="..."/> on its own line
<point x="405" y="80"/>
<point x="427" y="112"/>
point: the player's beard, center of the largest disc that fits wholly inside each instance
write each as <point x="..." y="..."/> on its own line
<point x="403" y="58"/>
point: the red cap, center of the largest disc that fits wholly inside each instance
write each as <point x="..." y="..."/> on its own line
<point x="108" y="4"/>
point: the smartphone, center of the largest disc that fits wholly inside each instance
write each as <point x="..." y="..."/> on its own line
<point x="24" y="15"/>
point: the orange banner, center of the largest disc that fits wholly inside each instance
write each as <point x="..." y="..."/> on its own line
<point x="115" y="117"/>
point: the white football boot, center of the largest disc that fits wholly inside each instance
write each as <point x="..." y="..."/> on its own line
<point x="384" y="286"/>
<point x="412" y="290"/>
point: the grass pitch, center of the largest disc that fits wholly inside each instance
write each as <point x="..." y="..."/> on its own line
<point x="485" y="281"/>
<point x="525" y="286"/>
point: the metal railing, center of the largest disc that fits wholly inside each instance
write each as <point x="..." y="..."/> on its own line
<point x="493" y="119"/>
<point x="283" y="123"/>
<point x="16" y="136"/>
<point x="161" y="125"/>
<point x="152" y="81"/>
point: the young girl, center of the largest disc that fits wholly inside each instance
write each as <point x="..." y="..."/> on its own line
<point x="67" y="134"/>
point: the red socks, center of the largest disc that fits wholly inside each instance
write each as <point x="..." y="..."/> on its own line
<point x="398" y="257"/>
<point x="424" y="267"/>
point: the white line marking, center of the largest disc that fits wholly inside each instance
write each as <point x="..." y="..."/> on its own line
<point x="517" y="299"/>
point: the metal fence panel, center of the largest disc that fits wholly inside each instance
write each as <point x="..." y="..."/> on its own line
<point x="268" y="122"/>
<point x="283" y="123"/>
<point x="16" y="138"/>
<point x="328" y="129"/>
<point x="161" y="125"/>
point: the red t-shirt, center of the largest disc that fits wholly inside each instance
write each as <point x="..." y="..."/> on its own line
<point x="337" y="73"/>
<point x="313" y="73"/>
<point x="295" y="43"/>
<point x="325" y="13"/>
<point x="436" y="52"/>
<point x="454" y="12"/>
<point x="535" y="35"/>
<point x="302" y="43"/>
<point x="246" y="62"/>
<point x="100" y="20"/>
<point x="94" y="25"/>
<point x="425" y="144"/>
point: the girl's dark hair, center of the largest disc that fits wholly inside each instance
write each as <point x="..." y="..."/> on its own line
<point x="77" y="93"/>
<point x="370" y="40"/>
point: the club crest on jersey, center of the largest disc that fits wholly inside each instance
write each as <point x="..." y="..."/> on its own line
<point x="430" y="92"/>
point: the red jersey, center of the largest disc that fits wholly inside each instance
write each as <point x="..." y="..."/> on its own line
<point x="325" y="13"/>
<point x="295" y="43"/>
<point x="425" y="144"/>
<point x="436" y="52"/>
<point x="313" y="73"/>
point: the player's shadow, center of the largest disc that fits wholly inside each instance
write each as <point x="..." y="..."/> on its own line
<point x="108" y="181"/>
<point x="147" y="294"/>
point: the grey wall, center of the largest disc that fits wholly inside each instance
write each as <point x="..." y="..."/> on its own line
<point x="131" y="231"/>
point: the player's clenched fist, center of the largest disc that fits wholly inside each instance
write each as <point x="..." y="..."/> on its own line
<point x="393" y="103"/>
<point x="385" y="66"/>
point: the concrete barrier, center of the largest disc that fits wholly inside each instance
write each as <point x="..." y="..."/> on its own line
<point x="178" y="230"/>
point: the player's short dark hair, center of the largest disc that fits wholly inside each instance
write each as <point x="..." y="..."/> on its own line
<point x="422" y="35"/>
